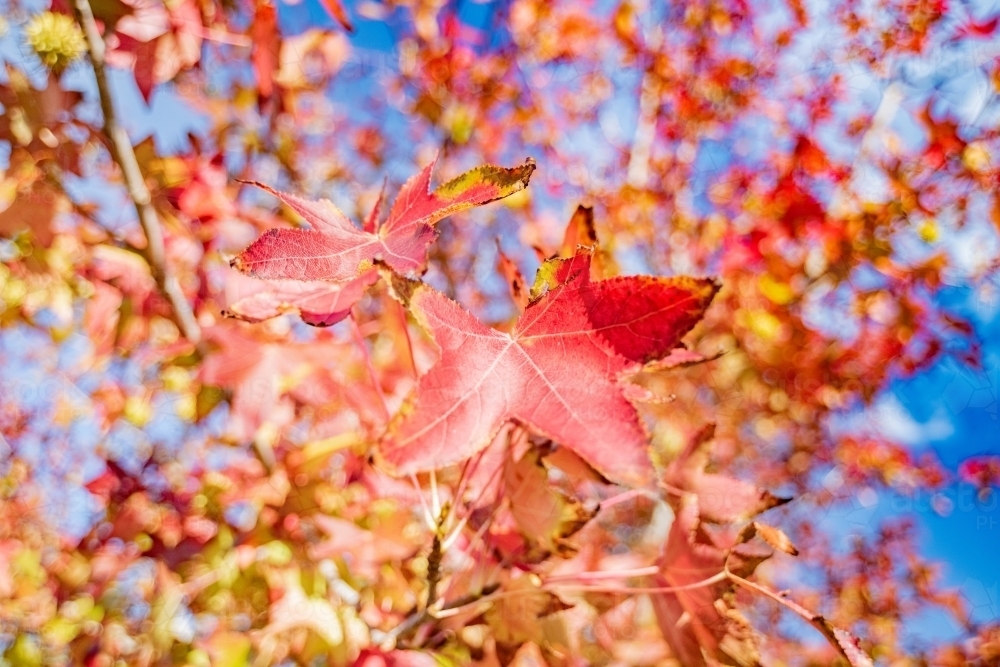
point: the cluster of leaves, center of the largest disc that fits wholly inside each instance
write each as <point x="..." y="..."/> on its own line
<point x="565" y="502"/>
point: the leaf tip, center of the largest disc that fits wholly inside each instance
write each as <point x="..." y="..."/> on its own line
<point x="780" y="500"/>
<point x="524" y="172"/>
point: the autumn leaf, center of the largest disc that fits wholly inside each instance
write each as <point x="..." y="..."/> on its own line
<point x="579" y="232"/>
<point x="774" y="537"/>
<point x="544" y="513"/>
<point x="335" y="8"/>
<point x="155" y="41"/>
<point x="266" y="38"/>
<point x="260" y="374"/>
<point x="516" y="618"/>
<point x="559" y="371"/>
<point x="515" y="281"/>
<point x="34" y="208"/>
<point x="334" y="249"/>
<point x="368" y="548"/>
<point x="721" y="499"/>
<point x="692" y="621"/>
<point x="318" y="303"/>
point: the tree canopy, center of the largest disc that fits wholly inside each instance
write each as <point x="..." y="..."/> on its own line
<point x="416" y="332"/>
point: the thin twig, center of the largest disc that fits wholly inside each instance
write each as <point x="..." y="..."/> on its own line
<point x="468" y="470"/>
<point x="450" y="609"/>
<point x="428" y="517"/>
<point x="435" y="497"/>
<point x="818" y="621"/>
<point x="489" y="596"/>
<point x="458" y="606"/>
<point x="603" y="574"/>
<point x="123" y="154"/>
<point x="359" y="340"/>
<point x="456" y="501"/>
<point x="456" y="533"/>
<point x="714" y="579"/>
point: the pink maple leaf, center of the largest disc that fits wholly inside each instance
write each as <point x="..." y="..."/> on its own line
<point x="336" y="250"/>
<point x="558" y="372"/>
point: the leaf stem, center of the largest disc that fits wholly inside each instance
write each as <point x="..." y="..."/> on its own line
<point x="548" y="586"/>
<point x="625" y="496"/>
<point x="435" y="497"/>
<point x="468" y="470"/>
<point x="406" y="335"/>
<point x="359" y="340"/>
<point x="428" y="517"/>
<point x="710" y="581"/>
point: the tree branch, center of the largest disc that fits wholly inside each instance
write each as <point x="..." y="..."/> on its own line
<point x="124" y="156"/>
<point x="416" y="618"/>
<point x="844" y="642"/>
<point x="431" y="606"/>
<point x="434" y="564"/>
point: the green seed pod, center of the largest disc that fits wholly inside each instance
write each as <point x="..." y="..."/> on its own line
<point x="56" y="38"/>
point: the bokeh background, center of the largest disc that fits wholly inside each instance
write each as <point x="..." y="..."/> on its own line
<point x="835" y="165"/>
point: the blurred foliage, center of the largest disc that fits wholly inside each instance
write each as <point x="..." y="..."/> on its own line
<point x="821" y="161"/>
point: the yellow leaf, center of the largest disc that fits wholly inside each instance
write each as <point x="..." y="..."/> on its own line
<point x="929" y="231"/>
<point x="763" y="324"/>
<point x="229" y="649"/>
<point x="976" y="157"/>
<point x="778" y="292"/>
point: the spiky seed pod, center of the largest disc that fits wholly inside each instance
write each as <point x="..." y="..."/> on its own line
<point x="56" y="38"/>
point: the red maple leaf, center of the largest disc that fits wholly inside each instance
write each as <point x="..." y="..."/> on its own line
<point x="976" y="29"/>
<point x="266" y="38"/>
<point x="156" y="41"/>
<point x="334" y="249"/>
<point x="336" y="9"/>
<point x="263" y="373"/>
<point x="721" y="499"/>
<point x="559" y="371"/>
